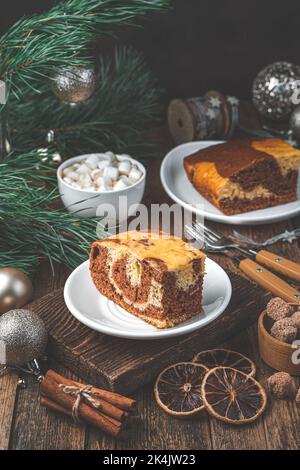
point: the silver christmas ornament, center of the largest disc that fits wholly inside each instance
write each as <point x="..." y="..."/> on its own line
<point x="74" y="84"/>
<point x="273" y="90"/>
<point x="15" y="289"/>
<point x="24" y="337"/>
<point x="295" y="123"/>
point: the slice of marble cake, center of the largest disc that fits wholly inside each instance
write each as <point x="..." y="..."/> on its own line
<point x="156" y="277"/>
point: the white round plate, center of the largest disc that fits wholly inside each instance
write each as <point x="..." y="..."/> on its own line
<point x="180" y="189"/>
<point x="96" y="311"/>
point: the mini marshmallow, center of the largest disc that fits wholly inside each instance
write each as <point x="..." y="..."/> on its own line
<point x="85" y="180"/>
<point x="92" y="161"/>
<point x="120" y="184"/>
<point x="135" y="174"/>
<point x="111" y="172"/>
<point x="126" y="180"/>
<point x="125" y="167"/>
<point x="95" y="174"/>
<point x="73" y="175"/>
<point x="103" y="164"/>
<point x="104" y="184"/>
<point x="66" y="171"/>
<point x="99" y="181"/>
<point x="83" y="169"/>
<point x="123" y="155"/>
<point x="110" y="155"/>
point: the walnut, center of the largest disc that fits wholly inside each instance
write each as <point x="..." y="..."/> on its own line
<point x="277" y="309"/>
<point x="296" y="319"/>
<point x="282" y="385"/>
<point x="284" y="330"/>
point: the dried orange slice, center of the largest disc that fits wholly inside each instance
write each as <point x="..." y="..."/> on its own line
<point x="178" y="389"/>
<point x="225" y="358"/>
<point x="232" y="396"/>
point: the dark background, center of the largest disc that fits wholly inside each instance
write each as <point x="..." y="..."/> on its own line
<point x="205" y="44"/>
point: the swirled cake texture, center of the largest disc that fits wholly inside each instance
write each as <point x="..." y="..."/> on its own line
<point x="244" y="175"/>
<point x="156" y="277"/>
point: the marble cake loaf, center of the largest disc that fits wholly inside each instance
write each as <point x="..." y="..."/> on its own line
<point x="245" y="175"/>
<point x="157" y="278"/>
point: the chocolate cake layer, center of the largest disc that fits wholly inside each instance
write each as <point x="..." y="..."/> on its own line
<point x="237" y="206"/>
<point x="243" y="175"/>
<point x="146" y="286"/>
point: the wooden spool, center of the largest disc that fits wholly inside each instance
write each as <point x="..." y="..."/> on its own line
<point x="275" y="353"/>
<point x="195" y="118"/>
<point x="181" y="121"/>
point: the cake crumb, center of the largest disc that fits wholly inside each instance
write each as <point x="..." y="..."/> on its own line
<point x="296" y="319"/>
<point x="298" y="398"/>
<point x="282" y="385"/>
<point x="277" y="309"/>
<point x="284" y="330"/>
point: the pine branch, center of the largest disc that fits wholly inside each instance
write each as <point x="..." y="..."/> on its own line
<point x="34" y="166"/>
<point x="125" y="103"/>
<point x="40" y="44"/>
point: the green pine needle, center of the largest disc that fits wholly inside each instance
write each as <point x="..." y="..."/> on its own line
<point x="125" y="103"/>
<point x="40" y="44"/>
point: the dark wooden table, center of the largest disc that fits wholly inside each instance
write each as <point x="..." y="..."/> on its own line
<point x="25" y="425"/>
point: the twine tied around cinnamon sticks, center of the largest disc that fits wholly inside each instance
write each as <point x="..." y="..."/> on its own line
<point x="109" y="411"/>
<point x="81" y="393"/>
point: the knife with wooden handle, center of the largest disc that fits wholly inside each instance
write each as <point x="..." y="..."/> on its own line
<point x="279" y="264"/>
<point x="270" y="281"/>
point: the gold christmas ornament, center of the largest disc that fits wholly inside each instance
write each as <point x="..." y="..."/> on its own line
<point x="15" y="289"/>
<point x="74" y="84"/>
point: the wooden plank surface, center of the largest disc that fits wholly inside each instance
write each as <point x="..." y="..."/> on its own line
<point x="8" y="393"/>
<point x="24" y="425"/>
<point x="122" y="365"/>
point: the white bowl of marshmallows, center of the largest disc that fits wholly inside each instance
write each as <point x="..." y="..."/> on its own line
<point x="90" y="182"/>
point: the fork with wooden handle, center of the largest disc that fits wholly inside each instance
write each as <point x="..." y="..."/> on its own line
<point x="251" y="268"/>
<point x="276" y="262"/>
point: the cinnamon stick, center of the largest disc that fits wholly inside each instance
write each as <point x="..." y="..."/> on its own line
<point x="115" y="399"/>
<point x="51" y="390"/>
<point x="48" y="403"/>
<point x="106" y="408"/>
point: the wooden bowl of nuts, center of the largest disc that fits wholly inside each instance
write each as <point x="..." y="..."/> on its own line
<point x="279" y="336"/>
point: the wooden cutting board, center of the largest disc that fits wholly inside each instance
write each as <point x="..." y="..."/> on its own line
<point x="123" y="365"/>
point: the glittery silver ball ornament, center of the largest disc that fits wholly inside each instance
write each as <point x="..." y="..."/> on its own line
<point x="74" y="84"/>
<point x="273" y="90"/>
<point x="295" y="123"/>
<point x="24" y="336"/>
<point x="15" y="289"/>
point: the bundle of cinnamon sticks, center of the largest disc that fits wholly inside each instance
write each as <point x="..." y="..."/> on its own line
<point x="108" y="411"/>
